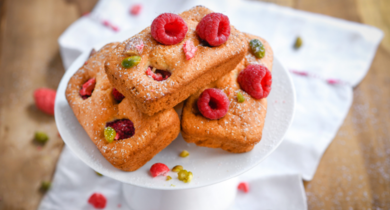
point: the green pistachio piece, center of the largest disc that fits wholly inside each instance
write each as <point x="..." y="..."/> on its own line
<point x="184" y="153"/>
<point x="240" y="97"/>
<point x="189" y="177"/>
<point x="257" y="48"/>
<point x="109" y="134"/>
<point x="298" y="43"/>
<point x="182" y="175"/>
<point x="131" y="61"/>
<point x="41" y="137"/>
<point x="45" y="185"/>
<point x="177" y="168"/>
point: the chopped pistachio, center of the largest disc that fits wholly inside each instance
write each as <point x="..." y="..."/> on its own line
<point x="99" y="174"/>
<point x="189" y="177"/>
<point x="168" y="178"/>
<point x="45" y="185"/>
<point x="109" y="134"/>
<point x="131" y="61"/>
<point x="257" y="48"/>
<point x="41" y="137"/>
<point x="240" y="97"/>
<point x="177" y="168"/>
<point x="184" y="153"/>
<point x="182" y="175"/>
<point x="298" y="43"/>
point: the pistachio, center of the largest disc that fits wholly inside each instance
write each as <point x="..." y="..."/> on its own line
<point x="240" y="97"/>
<point x="41" y="137"/>
<point x="177" y="168"/>
<point x="184" y="153"/>
<point x="257" y="48"/>
<point x="109" y="134"/>
<point x="131" y="61"/>
<point x="298" y="43"/>
<point x="45" y="185"/>
<point x="182" y="175"/>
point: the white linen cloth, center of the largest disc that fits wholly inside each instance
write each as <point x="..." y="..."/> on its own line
<point x="332" y="49"/>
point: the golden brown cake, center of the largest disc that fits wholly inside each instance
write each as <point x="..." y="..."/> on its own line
<point x="187" y="76"/>
<point x="241" y="128"/>
<point x="152" y="133"/>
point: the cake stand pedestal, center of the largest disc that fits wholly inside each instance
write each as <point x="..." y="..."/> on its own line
<point x="214" y="197"/>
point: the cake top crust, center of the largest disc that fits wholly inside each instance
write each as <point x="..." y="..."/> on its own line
<point x="134" y="81"/>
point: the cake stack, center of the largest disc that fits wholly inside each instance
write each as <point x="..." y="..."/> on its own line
<point x="125" y="93"/>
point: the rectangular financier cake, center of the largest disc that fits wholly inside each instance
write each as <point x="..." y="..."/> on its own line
<point x="151" y="134"/>
<point x="187" y="76"/>
<point x="241" y="128"/>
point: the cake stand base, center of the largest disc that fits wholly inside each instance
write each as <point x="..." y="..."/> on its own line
<point x="214" y="197"/>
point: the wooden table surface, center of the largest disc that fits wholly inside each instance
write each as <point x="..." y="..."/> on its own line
<point x="354" y="173"/>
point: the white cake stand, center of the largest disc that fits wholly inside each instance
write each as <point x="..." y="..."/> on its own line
<point x="214" y="184"/>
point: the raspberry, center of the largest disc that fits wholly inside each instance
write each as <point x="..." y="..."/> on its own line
<point x="117" y="95"/>
<point x="213" y="103"/>
<point x="256" y="80"/>
<point x="169" y="29"/>
<point x="98" y="200"/>
<point x="135" y="9"/>
<point x="44" y="100"/>
<point x="124" y="128"/>
<point x="110" y="25"/>
<point x="243" y="186"/>
<point x="87" y="88"/>
<point x="214" y="28"/>
<point x="135" y="46"/>
<point x="159" y="169"/>
<point x="189" y="49"/>
<point x="158" y="75"/>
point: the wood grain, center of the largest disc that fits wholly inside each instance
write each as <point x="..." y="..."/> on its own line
<point x="29" y="59"/>
<point x="354" y="172"/>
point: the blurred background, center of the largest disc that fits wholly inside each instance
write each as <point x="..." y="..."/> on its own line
<point x="354" y="171"/>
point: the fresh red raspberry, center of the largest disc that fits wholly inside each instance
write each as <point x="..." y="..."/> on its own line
<point x="158" y="75"/>
<point x="117" y="95"/>
<point x="124" y="128"/>
<point x="98" y="200"/>
<point x="169" y="28"/>
<point x="135" y="9"/>
<point x="44" y="100"/>
<point x="87" y="88"/>
<point x="159" y="169"/>
<point x="256" y="80"/>
<point x="189" y="49"/>
<point x="214" y="28"/>
<point x="213" y="103"/>
<point x="243" y="186"/>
